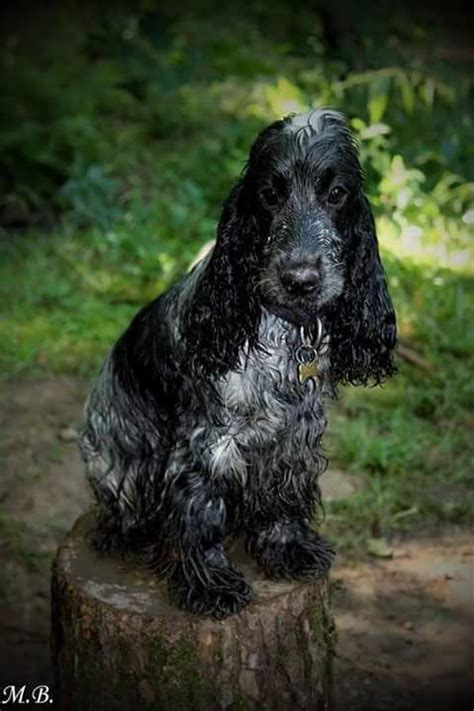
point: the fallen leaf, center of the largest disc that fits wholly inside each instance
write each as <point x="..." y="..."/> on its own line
<point x="379" y="548"/>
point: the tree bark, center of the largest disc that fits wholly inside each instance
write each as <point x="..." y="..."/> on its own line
<point x="118" y="643"/>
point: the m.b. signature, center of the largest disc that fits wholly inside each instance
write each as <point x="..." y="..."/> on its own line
<point x="12" y="694"/>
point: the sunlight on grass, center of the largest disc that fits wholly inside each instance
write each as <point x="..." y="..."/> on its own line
<point x="433" y="249"/>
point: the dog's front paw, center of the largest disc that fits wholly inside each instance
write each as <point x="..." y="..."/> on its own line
<point x="216" y="592"/>
<point x="291" y="550"/>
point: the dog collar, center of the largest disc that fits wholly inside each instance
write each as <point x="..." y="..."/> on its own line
<point x="307" y="355"/>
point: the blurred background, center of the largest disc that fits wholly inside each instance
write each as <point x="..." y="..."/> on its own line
<point x="123" y="126"/>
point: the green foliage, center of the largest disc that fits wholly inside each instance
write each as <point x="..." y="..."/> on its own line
<point x="127" y="136"/>
<point x="101" y="114"/>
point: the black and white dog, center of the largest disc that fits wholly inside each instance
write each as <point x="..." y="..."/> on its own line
<point x="207" y="417"/>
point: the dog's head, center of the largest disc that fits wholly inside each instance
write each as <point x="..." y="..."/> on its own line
<point x="297" y="236"/>
<point x="303" y="183"/>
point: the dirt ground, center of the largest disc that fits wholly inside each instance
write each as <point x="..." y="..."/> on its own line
<point x="405" y="624"/>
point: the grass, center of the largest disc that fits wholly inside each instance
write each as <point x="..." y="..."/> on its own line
<point x="20" y="546"/>
<point x="135" y="179"/>
<point x="411" y="440"/>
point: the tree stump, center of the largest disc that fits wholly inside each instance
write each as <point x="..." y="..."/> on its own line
<point x="118" y="643"/>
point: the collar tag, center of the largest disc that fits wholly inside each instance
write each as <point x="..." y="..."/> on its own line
<point x="306" y="355"/>
<point x="307" y="359"/>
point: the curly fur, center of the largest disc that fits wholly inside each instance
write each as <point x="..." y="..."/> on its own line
<point x="198" y="428"/>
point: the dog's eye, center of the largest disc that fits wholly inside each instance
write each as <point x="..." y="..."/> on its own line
<point x="336" y="195"/>
<point x="269" y="197"/>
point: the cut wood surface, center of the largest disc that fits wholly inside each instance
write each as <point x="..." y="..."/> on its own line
<point x="119" y="644"/>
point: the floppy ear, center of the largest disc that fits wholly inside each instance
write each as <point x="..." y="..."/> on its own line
<point x="363" y="324"/>
<point x="224" y="311"/>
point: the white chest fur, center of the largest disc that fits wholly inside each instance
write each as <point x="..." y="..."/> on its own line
<point x="264" y="406"/>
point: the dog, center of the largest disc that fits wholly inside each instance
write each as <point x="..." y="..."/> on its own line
<point x="207" y="417"/>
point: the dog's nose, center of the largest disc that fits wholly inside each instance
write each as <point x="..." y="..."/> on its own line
<point x="300" y="280"/>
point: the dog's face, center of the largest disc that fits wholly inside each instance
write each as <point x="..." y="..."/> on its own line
<point x="297" y="235"/>
<point x="305" y="182"/>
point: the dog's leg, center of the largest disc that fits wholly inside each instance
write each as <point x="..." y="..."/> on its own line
<point x="290" y="549"/>
<point x="204" y="579"/>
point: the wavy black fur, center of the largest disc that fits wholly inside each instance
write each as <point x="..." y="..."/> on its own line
<point x="198" y="428"/>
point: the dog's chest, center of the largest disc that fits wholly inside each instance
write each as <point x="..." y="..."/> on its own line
<point x="268" y="377"/>
<point x="264" y="408"/>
